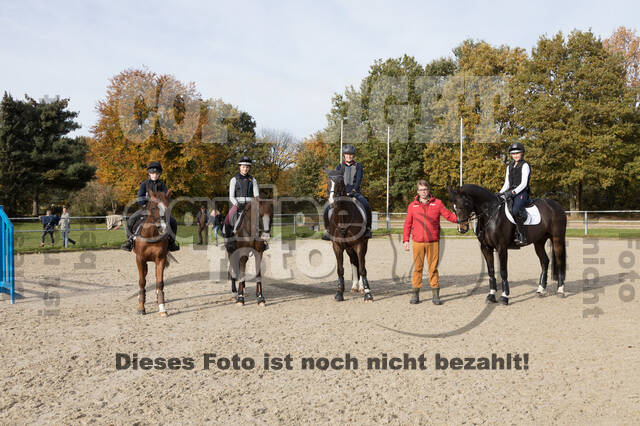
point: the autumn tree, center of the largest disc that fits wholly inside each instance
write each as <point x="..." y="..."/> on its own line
<point x="308" y="178"/>
<point x="626" y="43"/>
<point x="146" y="116"/>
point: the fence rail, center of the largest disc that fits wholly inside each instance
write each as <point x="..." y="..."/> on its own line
<point x="588" y="218"/>
<point x="7" y="266"/>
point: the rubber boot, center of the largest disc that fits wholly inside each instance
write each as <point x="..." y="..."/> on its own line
<point x="415" y="296"/>
<point x="436" y="296"/>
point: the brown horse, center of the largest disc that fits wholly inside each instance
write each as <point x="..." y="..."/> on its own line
<point x="152" y="246"/>
<point x="495" y="232"/>
<point x="347" y="228"/>
<point x="252" y="234"/>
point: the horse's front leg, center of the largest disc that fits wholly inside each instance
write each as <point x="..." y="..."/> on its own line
<point x="160" y="265"/>
<point x="258" y="258"/>
<point x="504" y="298"/>
<point x="361" y="251"/>
<point x="356" y="279"/>
<point x="487" y="252"/>
<point x="338" y="251"/>
<point x="142" y="282"/>
<point x="544" y="265"/>
<point x="242" y="267"/>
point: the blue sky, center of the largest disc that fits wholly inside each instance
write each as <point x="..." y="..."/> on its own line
<point x="279" y="61"/>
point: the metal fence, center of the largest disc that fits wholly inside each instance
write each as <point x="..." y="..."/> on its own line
<point x="7" y="267"/>
<point x="577" y="219"/>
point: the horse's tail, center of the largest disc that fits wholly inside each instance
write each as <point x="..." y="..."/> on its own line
<point x="558" y="243"/>
<point x="554" y="264"/>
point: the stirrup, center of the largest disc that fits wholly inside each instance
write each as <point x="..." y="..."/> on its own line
<point x="325" y="236"/>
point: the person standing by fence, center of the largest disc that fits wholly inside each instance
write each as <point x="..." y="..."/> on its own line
<point x="48" y="226"/>
<point x="65" y="227"/>
<point x="218" y="220"/>
<point x="202" y="219"/>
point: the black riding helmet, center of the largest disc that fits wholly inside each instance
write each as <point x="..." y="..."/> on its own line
<point x="154" y="167"/>
<point x="349" y="149"/>
<point x="516" y="147"/>
<point x="244" y="161"/>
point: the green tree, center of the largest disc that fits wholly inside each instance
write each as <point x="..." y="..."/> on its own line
<point x="573" y="109"/>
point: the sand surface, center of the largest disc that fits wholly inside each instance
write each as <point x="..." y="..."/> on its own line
<point x="59" y="342"/>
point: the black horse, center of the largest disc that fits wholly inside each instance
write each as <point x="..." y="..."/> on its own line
<point x="496" y="232"/>
<point x="347" y="229"/>
<point x="252" y="234"/>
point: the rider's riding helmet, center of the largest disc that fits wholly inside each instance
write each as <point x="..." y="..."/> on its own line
<point x="349" y="149"/>
<point x="154" y="167"/>
<point x="516" y="147"/>
<point x="244" y="161"/>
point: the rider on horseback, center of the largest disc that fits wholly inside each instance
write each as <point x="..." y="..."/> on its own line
<point x="516" y="186"/>
<point x="153" y="184"/>
<point x="352" y="173"/>
<point x="242" y="189"/>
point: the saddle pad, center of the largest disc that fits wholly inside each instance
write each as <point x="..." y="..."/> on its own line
<point x="533" y="215"/>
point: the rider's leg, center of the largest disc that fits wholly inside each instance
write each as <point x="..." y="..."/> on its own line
<point x="132" y="226"/>
<point x="173" y="224"/>
<point x="367" y="209"/>
<point x="227" y="230"/>
<point x="520" y="216"/>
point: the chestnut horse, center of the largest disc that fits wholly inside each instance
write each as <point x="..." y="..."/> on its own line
<point x="152" y="246"/>
<point x="251" y="236"/>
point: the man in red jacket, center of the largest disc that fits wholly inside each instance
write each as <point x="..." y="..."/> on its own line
<point x="423" y="222"/>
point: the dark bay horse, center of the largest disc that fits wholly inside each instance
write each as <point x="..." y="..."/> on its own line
<point x="347" y="228"/>
<point x="152" y="245"/>
<point x="252" y="234"/>
<point x="496" y="232"/>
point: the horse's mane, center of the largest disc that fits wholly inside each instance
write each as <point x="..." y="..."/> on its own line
<point x="477" y="192"/>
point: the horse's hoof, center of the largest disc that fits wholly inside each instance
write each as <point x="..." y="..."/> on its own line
<point x="240" y="301"/>
<point x="354" y="290"/>
<point x="361" y="291"/>
<point x="368" y="297"/>
<point x="163" y="314"/>
<point x="262" y="303"/>
<point x="504" y="300"/>
<point x="491" y="298"/>
<point x="561" y="294"/>
<point x="234" y="296"/>
<point x="141" y="312"/>
<point x="542" y="293"/>
<point x="339" y="297"/>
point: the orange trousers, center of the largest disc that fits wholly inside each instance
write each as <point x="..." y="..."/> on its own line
<point x="431" y="252"/>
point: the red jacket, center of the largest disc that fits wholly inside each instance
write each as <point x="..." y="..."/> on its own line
<point x="423" y="220"/>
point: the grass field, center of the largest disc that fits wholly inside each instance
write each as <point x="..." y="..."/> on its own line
<point x="87" y="236"/>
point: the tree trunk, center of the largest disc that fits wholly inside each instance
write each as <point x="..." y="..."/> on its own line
<point x="34" y="212"/>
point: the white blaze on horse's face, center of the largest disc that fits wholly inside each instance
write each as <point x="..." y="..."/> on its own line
<point x="163" y="222"/>
<point x="162" y="208"/>
<point x="331" y="191"/>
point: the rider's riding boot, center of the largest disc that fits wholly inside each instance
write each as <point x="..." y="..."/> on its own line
<point x="326" y="236"/>
<point x="415" y="296"/>
<point x="128" y="245"/>
<point x="367" y="232"/>
<point x="173" y="245"/>
<point x="521" y="234"/>
<point x="436" y="296"/>
<point x="227" y="234"/>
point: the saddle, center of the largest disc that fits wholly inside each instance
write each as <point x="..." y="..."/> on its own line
<point x="533" y="214"/>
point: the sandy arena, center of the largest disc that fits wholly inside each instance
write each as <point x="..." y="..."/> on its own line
<point x="59" y="342"/>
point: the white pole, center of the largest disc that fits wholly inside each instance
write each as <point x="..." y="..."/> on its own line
<point x="388" y="141"/>
<point x="341" y="131"/>
<point x="461" y="136"/>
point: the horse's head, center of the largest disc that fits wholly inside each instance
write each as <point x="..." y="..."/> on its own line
<point x="463" y="208"/>
<point x="335" y="185"/>
<point x="158" y="208"/>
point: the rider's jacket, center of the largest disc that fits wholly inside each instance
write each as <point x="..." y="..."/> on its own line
<point x="242" y="188"/>
<point x="148" y="186"/>
<point x="517" y="177"/>
<point x="352" y="174"/>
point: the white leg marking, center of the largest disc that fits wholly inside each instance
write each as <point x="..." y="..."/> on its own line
<point x="492" y="291"/>
<point x="161" y="307"/>
<point x="540" y="289"/>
